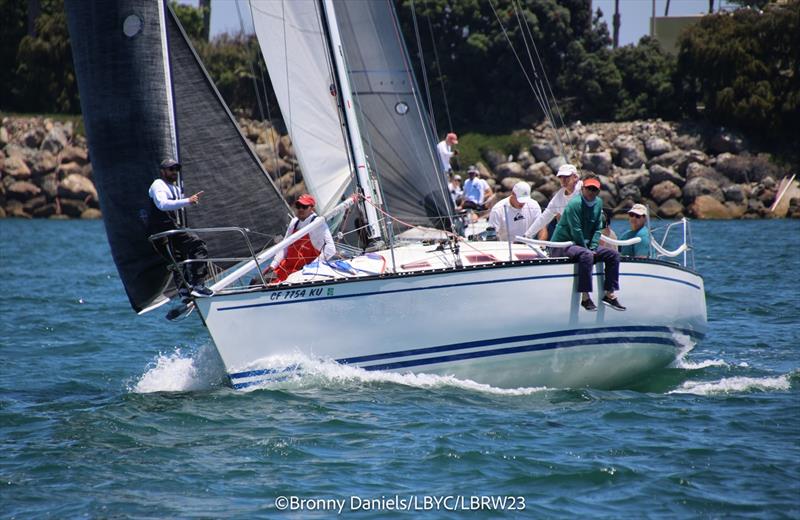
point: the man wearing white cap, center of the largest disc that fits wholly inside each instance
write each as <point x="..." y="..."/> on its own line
<point x="513" y="215"/>
<point x="570" y="186"/>
<point x="637" y="217"/>
<point x="446" y="152"/>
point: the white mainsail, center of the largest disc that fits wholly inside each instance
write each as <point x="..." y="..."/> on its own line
<point x="294" y="49"/>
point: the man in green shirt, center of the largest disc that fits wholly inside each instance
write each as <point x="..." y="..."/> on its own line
<point x="637" y="217"/>
<point x="581" y="223"/>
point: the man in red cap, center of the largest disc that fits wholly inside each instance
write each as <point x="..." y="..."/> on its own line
<point x="317" y="243"/>
<point x="446" y="152"/>
<point x="581" y="223"/>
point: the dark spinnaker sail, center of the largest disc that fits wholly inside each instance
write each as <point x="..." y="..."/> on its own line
<point x="122" y="61"/>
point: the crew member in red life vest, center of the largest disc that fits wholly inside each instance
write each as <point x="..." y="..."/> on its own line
<point x="316" y="244"/>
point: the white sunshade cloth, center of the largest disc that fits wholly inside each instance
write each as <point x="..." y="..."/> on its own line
<point x="293" y="47"/>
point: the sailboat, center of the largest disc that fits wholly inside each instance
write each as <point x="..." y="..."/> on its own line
<point x="499" y="313"/>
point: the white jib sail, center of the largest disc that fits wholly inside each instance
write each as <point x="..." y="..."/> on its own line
<point x="294" y="49"/>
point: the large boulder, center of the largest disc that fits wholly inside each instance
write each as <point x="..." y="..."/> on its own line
<point x="670" y="209"/>
<point x="538" y="174"/>
<point x="592" y="143"/>
<point x="676" y="159"/>
<point x="33" y="138"/>
<point x="608" y="185"/>
<point x="599" y="163"/>
<point x="630" y="191"/>
<point x="508" y="183"/>
<point x="525" y="158"/>
<point x="735" y="193"/>
<point x="15" y="167"/>
<point x="660" y="173"/>
<point x="91" y="214"/>
<point x="22" y="191"/>
<point x="708" y="207"/>
<point x="695" y="170"/>
<point x="33" y="203"/>
<point x="46" y="210"/>
<point x="639" y="178"/>
<point x="628" y="152"/>
<point x="736" y="209"/>
<point x="664" y="191"/>
<point x="549" y="188"/>
<point x="494" y="158"/>
<point x="267" y="154"/>
<point x="655" y="146"/>
<point x="556" y="162"/>
<point x="73" y="208"/>
<point x="543" y="151"/>
<point x="55" y="141"/>
<point x="285" y="148"/>
<point x="44" y="162"/>
<point x="701" y="186"/>
<point x="509" y="169"/>
<point x="77" y="187"/>
<point x="75" y="154"/>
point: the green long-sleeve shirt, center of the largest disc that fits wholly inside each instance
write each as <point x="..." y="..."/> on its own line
<point x="580" y="223"/>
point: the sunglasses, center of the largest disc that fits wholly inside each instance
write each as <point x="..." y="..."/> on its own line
<point x="300" y="206"/>
<point x="174" y="168"/>
<point x="592" y="188"/>
<point x="634" y="215"/>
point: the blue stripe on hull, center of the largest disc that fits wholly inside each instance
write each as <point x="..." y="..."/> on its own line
<point x="492" y="351"/>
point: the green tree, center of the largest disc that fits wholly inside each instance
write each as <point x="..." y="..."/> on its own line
<point x="192" y="20"/>
<point x="44" y="76"/>
<point x="742" y="67"/>
<point x="484" y="82"/>
<point x="648" y="76"/>
<point x="14" y="27"/>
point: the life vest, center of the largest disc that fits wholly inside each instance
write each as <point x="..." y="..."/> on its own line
<point x="157" y="221"/>
<point x="298" y="254"/>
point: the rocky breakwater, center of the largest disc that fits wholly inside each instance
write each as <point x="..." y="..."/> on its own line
<point x="675" y="169"/>
<point x="45" y="171"/>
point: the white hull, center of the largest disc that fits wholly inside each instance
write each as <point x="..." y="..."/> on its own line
<point x="507" y="325"/>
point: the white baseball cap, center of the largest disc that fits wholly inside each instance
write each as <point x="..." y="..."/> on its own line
<point x="522" y="190"/>
<point x="565" y="170"/>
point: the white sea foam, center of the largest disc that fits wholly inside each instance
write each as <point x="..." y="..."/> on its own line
<point x="734" y="385"/>
<point x="182" y="372"/>
<point x="688" y="365"/>
<point x="314" y="372"/>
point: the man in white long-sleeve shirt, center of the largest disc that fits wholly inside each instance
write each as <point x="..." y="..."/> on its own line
<point x="446" y="151"/>
<point x="511" y="216"/>
<point x="167" y="198"/>
<point x="570" y="186"/>
<point x="316" y="244"/>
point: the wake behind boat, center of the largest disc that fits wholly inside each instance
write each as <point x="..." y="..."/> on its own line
<point x="498" y="313"/>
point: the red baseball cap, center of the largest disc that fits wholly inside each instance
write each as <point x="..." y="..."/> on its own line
<point x="592" y="182"/>
<point x="306" y="200"/>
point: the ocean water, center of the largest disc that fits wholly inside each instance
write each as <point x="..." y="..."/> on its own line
<point x="105" y="414"/>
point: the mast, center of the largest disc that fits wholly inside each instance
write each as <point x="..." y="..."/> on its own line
<point x="345" y="99"/>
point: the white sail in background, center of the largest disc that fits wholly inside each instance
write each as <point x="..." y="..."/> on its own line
<point x="294" y="49"/>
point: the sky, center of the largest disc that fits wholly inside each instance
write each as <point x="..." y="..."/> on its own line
<point x="634" y="14"/>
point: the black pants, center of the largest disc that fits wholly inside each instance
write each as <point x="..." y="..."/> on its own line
<point x="185" y="246"/>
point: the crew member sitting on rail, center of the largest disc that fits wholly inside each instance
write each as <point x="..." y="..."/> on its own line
<point x="637" y="216"/>
<point x="316" y="244"/>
